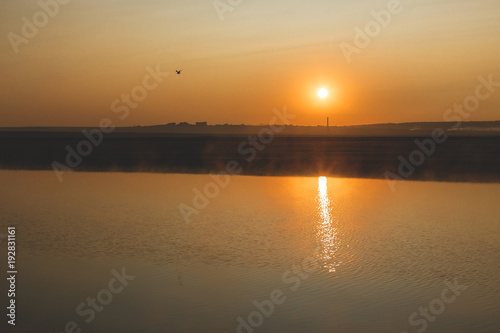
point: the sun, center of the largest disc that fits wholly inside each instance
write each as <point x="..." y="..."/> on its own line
<point x="323" y="93"/>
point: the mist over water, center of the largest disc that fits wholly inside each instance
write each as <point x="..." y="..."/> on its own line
<point x="379" y="255"/>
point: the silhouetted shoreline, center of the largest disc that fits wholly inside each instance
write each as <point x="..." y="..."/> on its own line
<point x="461" y="159"/>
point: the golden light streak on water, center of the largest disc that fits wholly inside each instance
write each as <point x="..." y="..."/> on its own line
<point x="327" y="231"/>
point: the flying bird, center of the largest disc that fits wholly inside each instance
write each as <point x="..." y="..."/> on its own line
<point x="178" y="72"/>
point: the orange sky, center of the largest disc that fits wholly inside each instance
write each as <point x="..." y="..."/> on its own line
<point x="261" y="56"/>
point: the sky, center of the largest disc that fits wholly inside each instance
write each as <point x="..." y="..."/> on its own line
<point x="244" y="59"/>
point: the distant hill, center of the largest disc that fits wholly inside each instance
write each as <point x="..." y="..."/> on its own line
<point x="476" y="128"/>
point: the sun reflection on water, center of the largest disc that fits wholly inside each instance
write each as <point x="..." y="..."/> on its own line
<point x="327" y="232"/>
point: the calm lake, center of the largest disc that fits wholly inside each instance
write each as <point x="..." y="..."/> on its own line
<point x="266" y="254"/>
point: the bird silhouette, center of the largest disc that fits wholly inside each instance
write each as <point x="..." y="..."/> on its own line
<point x="178" y="72"/>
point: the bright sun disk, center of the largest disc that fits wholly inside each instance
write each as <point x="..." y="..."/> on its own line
<point x="323" y="93"/>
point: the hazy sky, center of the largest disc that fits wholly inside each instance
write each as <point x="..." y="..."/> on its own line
<point x="264" y="54"/>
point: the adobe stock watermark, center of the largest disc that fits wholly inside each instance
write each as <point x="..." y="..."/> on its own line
<point x="224" y="6"/>
<point x="89" y="308"/>
<point x="249" y="148"/>
<point x="122" y="107"/>
<point x="363" y="37"/>
<point x="292" y="278"/>
<point x="426" y="315"/>
<point x="30" y="28"/>
<point x="427" y="147"/>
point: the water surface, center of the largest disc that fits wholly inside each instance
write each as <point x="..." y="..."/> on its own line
<point x="374" y="256"/>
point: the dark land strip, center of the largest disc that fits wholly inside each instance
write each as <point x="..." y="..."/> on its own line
<point x="469" y="159"/>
